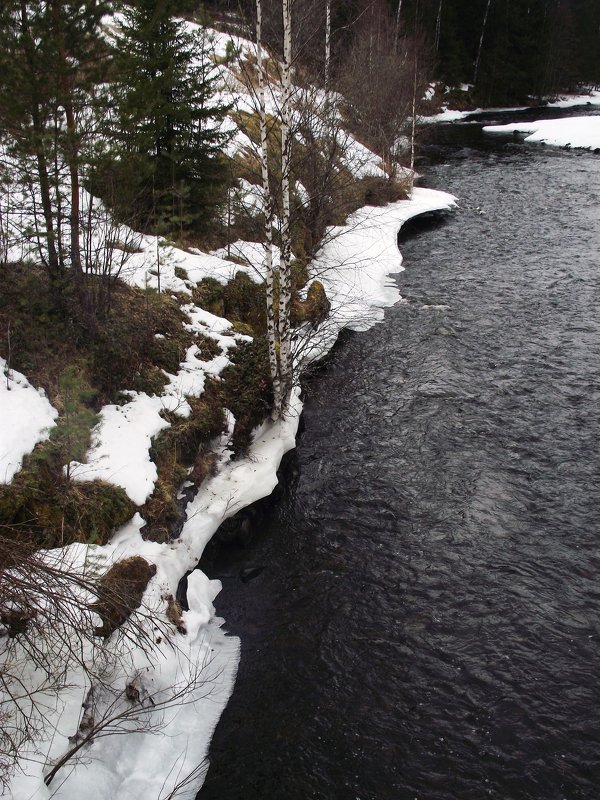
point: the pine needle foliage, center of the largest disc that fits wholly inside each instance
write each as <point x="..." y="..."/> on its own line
<point x="168" y="117"/>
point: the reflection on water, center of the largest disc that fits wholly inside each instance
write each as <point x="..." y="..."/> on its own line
<point x="426" y="625"/>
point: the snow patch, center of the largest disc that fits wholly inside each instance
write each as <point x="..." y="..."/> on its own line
<point x="356" y="263"/>
<point x="580" y="132"/>
<point x="26" y="418"/>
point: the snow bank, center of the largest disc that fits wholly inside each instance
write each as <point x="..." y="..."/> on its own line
<point x="566" y="101"/>
<point x="26" y="418"/>
<point x="182" y="685"/>
<point x="252" y="254"/>
<point x="356" y="263"/>
<point x="583" y="132"/>
<point x="592" y="98"/>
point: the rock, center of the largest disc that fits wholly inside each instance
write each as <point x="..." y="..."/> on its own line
<point x="443" y="331"/>
<point x="249" y="573"/>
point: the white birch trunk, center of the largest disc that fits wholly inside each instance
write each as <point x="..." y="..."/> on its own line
<point x="285" y="288"/>
<point x="479" y="49"/>
<point x="414" y="126"/>
<point x="397" y="31"/>
<point x="272" y="327"/>
<point x="327" y="45"/>
<point x="438" y="26"/>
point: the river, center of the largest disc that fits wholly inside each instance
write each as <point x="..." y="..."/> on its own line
<point x="419" y="609"/>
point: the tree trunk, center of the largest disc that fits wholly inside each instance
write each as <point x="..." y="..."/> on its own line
<point x="438" y="26"/>
<point x="272" y="327"/>
<point x="479" y="49"/>
<point x="397" y="27"/>
<point x="414" y="124"/>
<point x="72" y="148"/>
<point x="40" y="153"/>
<point x="285" y="287"/>
<point x="327" y="45"/>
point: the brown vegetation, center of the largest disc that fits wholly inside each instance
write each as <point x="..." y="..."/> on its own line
<point x="120" y="591"/>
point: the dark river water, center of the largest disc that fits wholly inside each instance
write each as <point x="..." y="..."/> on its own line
<point x="426" y="625"/>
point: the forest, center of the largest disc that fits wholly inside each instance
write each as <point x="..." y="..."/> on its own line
<point x="508" y="51"/>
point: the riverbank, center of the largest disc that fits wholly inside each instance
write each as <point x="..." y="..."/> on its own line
<point x="354" y="264"/>
<point x="447" y="114"/>
<point x="581" y="132"/>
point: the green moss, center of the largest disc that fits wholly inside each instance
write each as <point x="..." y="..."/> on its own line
<point x="38" y="326"/>
<point x="53" y="511"/>
<point x="136" y="319"/>
<point x="245" y="301"/>
<point x="247" y="390"/>
<point x="179" y="443"/>
<point x="181" y="273"/>
<point x="174" y="451"/>
<point x="243" y="328"/>
<point x="150" y="380"/>
<point x="161" y="510"/>
<point x="209" y="348"/>
<point x="168" y="353"/>
<point x="208" y="294"/>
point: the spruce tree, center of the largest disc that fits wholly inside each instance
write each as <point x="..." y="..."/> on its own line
<point x="168" y="117"/>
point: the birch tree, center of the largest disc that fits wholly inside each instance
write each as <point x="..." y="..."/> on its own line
<point x="285" y="283"/>
<point x="480" y="48"/>
<point x="278" y="279"/>
<point x="327" y="45"/>
<point x="438" y="26"/>
<point x="397" y="26"/>
<point x="272" y="326"/>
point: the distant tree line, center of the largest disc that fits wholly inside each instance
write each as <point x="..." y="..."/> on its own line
<point x="510" y="50"/>
<point x="506" y="50"/>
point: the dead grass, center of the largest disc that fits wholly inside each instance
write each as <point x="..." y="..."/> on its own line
<point x="120" y="592"/>
<point x="176" y="452"/>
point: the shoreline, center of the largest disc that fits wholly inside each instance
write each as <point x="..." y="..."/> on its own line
<point x="354" y="265"/>
<point x="566" y="101"/>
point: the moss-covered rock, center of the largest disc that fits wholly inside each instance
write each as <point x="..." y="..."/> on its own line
<point x="53" y="511"/>
<point x="314" y="309"/>
<point x="246" y="301"/>
<point x="120" y="591"/>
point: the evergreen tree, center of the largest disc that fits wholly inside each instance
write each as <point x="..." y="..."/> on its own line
<point x="168" y="117"/>
<point x="51" y="56"/>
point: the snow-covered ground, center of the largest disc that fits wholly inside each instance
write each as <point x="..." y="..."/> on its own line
<point x="171" y="739"/>
<point x="582" y="132"/>
<point x="357" y="260"/>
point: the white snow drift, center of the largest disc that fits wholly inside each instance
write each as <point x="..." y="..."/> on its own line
<point x="582" y="132"/>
